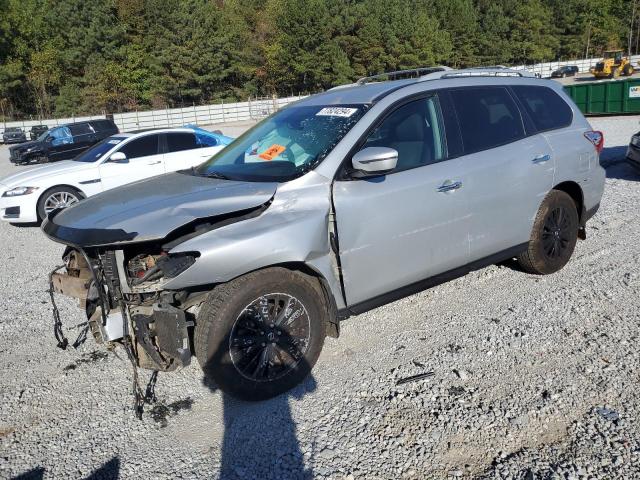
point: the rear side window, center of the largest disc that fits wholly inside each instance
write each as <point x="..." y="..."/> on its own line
<point x="101" y="125"/>
<point x="179" y="141"/>
<point x="80" y="129"/>
<point x="141" y="147"/>
<point x="488" y="117"/>
<point x="545" y="107"/>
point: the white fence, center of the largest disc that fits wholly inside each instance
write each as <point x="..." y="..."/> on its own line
<point x="545" y="69"/>
<point x="253" y="109"/>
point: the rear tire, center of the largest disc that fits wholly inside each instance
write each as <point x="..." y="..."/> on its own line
<point x="248" y="344"/>
<point x="554" y="235"/>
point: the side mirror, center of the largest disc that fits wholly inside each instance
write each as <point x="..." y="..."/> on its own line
<point x="375" y="160"/>
<point x="48" y="139"/>
<point x="118" y="157"/>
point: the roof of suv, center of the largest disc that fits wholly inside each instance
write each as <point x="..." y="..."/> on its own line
<point x="356" y="94"/>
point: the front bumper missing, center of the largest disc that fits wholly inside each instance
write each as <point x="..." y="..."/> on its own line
<point x="74" y="287"/>
<point x="157" y="332"/>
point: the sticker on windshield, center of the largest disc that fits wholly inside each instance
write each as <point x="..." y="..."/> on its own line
<point x="272" y="152"/>
<point x="336" y="112"/>
<point x="114" y="141"/>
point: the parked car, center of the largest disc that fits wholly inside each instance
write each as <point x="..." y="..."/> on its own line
<point x="29" y="196"/>
<point x="633" y="151"/>
<point x="36" y="131"/>
<point x="566" y="71"/>
<point x="63" y="142"/>
<point x="13" y="135"/>
<point x="336" y="204"/>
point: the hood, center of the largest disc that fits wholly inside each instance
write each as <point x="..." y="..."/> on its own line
<point x="25" y="145"/>
<point x="152" y="209"/>
<point x="27" y="178"/>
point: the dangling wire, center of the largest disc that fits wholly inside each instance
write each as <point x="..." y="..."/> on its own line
<point x="57" y="323"/>
<point x="63" y="342"/>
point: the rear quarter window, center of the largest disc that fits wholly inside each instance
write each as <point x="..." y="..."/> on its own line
<point x="546" y="108"/>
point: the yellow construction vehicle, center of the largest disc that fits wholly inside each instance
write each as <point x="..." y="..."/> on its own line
<point x="614" y="64"/>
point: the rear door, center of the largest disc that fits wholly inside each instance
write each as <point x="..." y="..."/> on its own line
<point x="144" y="160"/>
<point x="83" y="137"/>
<point x="397" y="229"/>
<point x="183" y="151"/>
<point x="553" y="119"/>
<point x="510" y="169"/>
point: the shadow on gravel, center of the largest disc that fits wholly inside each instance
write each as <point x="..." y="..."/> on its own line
<point x="260" y="437"/>
<point x="623" y="171"/>
<point x="35" y="474"/>
<point x="24" y="225"/>
<point x="108" y="471"/>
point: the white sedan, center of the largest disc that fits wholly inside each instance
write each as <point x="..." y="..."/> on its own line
<point x="29" y="196"/>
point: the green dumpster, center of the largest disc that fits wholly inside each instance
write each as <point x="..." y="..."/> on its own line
<point x="607" y="97"/>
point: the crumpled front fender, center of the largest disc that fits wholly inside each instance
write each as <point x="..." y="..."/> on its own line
<point x="294" y="229"/>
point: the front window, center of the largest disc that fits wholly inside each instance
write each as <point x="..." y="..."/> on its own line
<point x="285" y="145"/>
<point x="60" y="136"/>
<point x="98" y="150"/>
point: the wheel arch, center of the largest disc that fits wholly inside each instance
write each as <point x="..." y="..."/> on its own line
<point x="575" y="192"/>
<point x="61" y="185"/>
<point x="333" y="326"/>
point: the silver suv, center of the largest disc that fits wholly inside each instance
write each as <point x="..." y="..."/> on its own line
<point x="337" y="204"/>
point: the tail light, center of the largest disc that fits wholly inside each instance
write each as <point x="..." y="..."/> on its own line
<point x="597" y="138"/>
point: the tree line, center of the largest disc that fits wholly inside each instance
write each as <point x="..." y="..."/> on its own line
<point x="59" y="57"/>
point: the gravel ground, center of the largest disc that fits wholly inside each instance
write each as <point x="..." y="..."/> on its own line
<point x="533" y="377"/>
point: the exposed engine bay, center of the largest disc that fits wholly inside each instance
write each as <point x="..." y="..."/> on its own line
<point x="121" y="293"/>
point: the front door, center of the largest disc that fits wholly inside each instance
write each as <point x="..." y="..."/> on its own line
<point x="61" y="143"/>
<point x="408" y="225"/>
<point x="144" y="160"/>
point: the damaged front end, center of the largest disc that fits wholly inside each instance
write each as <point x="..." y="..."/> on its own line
<point x="121" y="293"/>
<point x="118" y="259"/>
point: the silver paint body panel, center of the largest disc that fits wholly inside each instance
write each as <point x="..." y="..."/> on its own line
<point x="393" y="230"/>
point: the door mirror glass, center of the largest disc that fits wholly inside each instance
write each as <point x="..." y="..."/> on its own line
<point x="375" y="160"/>
<point x="118" y="157"/>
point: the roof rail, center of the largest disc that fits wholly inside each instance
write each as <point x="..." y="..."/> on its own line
<point x="478" y="72"/>
<point x="410" y="73"/>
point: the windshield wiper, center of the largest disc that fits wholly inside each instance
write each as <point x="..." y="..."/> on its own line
<point x="215" y="175"/>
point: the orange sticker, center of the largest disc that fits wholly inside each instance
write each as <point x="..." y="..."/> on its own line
<point x="272" y="152"/>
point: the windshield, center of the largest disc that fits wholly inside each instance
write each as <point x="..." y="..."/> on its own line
<point x="13" y="129"/>
<point x="285" y="145"/>
<point x="98" y="150"/>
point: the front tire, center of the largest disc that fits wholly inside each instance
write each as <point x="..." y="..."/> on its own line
<point x="260" y="335"/>
<point x="554" y="235"/>
<point x="57" y="197"/>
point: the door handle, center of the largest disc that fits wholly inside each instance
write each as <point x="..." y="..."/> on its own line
<point x="542" y="158"/>
<point x="449" y="186"/>
<point x="155" y="163"/>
